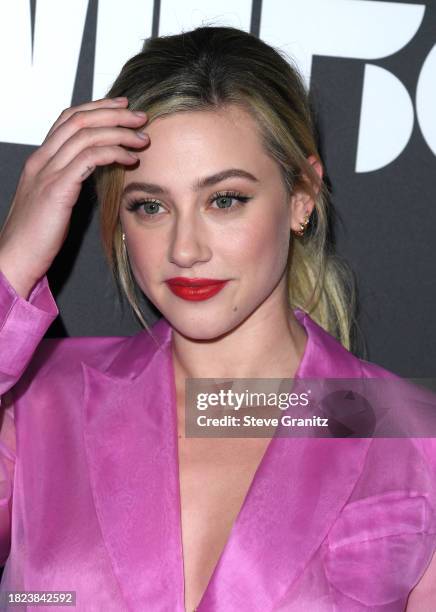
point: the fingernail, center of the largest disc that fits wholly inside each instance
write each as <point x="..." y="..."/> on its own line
<point x="119" y="100"/>
<point x="142" y="135"/>
<point x="140" y="113"/>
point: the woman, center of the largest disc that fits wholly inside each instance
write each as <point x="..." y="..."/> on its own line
<point x="110" y="498"/>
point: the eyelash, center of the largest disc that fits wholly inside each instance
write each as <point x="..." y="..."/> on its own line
<point x="242" y="200"/>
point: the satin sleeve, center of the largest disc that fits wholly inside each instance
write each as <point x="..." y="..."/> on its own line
<point x="23" y="324"/>
<point x="7" y="468"/>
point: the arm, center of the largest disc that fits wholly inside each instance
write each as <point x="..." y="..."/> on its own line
<point x="422" y="597"/>
<point x="7" y="467"/>
<point x="23" y="324"/>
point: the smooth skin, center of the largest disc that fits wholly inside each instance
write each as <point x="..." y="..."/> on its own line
<point x="189" y="232"/>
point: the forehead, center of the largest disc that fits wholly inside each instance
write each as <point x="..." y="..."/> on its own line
<point x="189" y="144"/>
<point x="226" y="117"/>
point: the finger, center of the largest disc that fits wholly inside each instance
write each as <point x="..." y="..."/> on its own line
<point x="93" y="137"/>
<point x="81" y="120"/>
<point x="82" y="166"/>
<point x="94" y="104"/>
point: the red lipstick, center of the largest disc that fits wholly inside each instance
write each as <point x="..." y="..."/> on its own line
<point x="195" y="289"/>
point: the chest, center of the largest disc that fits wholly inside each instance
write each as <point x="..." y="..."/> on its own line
<point x="215" y="475"/>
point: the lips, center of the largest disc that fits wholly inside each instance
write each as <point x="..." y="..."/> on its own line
<point x="195" y="289"/>
<point x="194" y="282"/>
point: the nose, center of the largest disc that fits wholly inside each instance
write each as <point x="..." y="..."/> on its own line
<point x="189" y="242"/>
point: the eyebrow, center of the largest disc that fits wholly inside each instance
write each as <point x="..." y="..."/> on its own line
<point x="207" y="181"/>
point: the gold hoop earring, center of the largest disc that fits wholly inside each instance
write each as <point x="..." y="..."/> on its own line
<point x="303" y="226"/>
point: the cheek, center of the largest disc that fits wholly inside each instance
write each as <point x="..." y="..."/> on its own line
<point x="265" y="244"/>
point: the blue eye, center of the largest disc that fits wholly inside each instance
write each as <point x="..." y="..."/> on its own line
<point x="151" y="206"/>
<point x="230" y="195"/>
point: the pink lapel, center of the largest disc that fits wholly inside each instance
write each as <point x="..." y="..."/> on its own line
<point x="131" y="442"/>
<point x="131" y="445"/>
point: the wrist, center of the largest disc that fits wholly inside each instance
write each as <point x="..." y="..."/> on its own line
<point x="21" y="283"/>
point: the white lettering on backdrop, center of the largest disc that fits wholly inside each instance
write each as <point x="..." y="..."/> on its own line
<point x="37" y="87"/>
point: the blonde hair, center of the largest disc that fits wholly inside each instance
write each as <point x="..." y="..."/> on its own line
<point x="206" y="69"/>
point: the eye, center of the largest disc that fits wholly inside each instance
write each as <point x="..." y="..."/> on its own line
<point x="151" y="207"/>
<point x="223" y="200"/>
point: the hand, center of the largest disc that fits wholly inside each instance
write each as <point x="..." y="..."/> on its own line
<point x="82" y="138"/>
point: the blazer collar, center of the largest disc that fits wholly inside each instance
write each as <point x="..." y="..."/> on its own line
<point x="130" y="433"/>
<point x="324" y="356"/>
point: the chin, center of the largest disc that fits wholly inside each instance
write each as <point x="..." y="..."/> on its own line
<point x="201" y="327"/>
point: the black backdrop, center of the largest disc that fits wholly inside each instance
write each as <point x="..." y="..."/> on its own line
<point x="384" y="219"/>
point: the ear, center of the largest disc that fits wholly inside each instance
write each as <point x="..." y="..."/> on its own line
<point x="301" y="203"/>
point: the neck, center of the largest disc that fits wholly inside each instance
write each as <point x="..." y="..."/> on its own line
<point x="269" y="344"/>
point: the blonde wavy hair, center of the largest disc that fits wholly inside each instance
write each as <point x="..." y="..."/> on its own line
<point x="206" y="69"/>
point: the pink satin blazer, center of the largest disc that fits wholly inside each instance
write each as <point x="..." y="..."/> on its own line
<point x="89" y="492"/>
